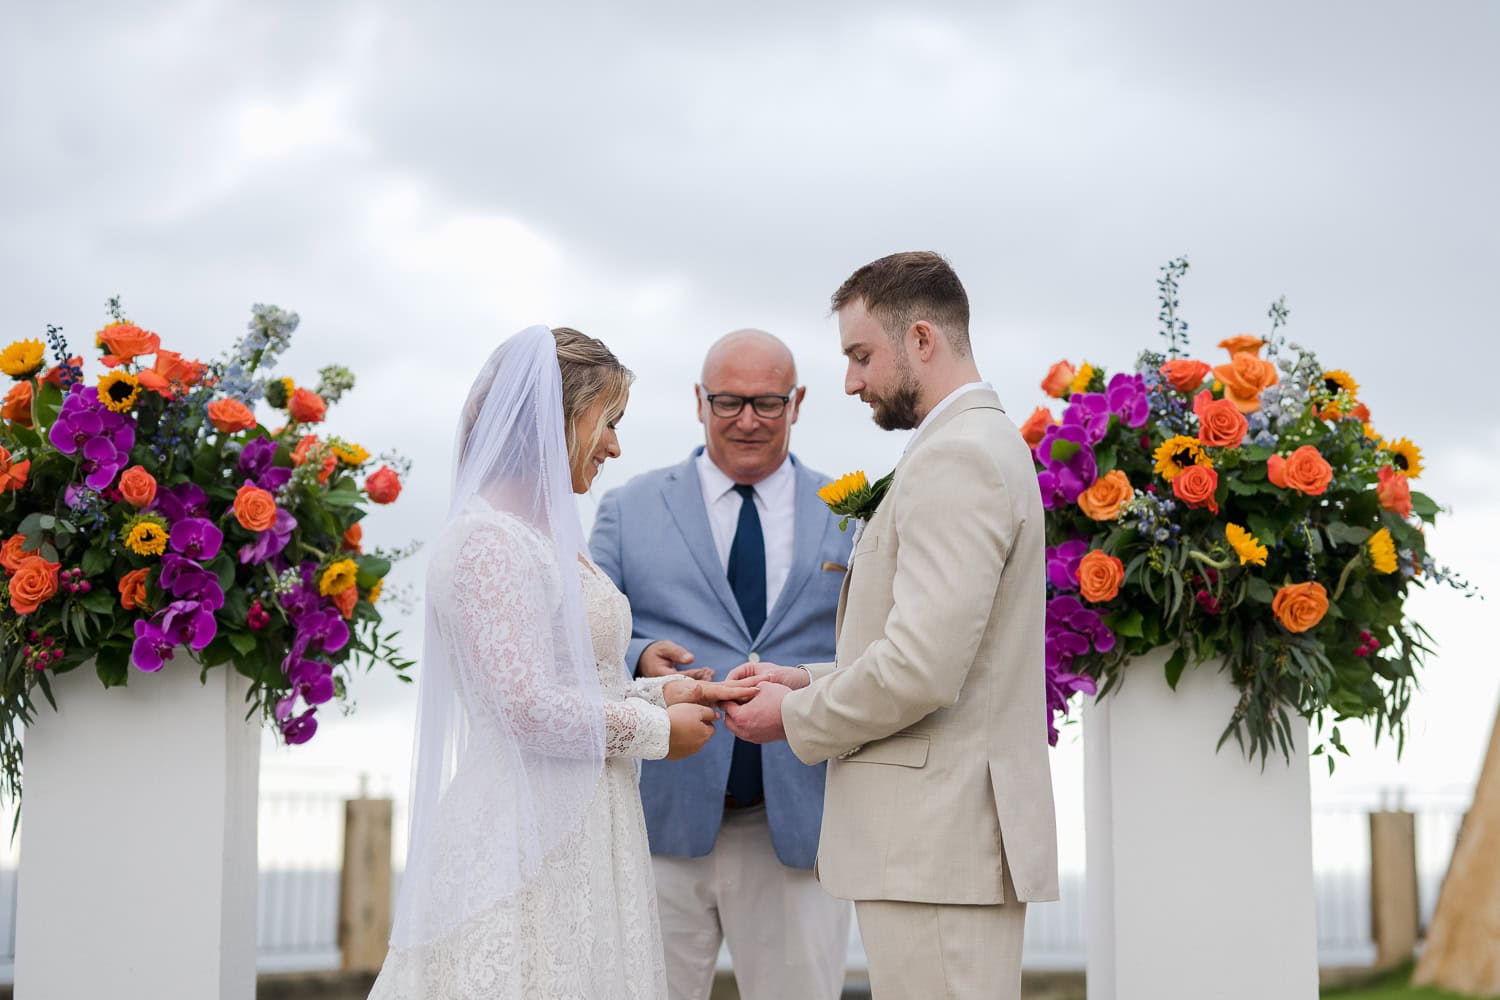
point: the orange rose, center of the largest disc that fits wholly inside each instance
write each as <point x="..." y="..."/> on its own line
<point x="254" y="508"/>
<point x="1036" y="425"/>
<point x="1103" y="500"/>
<point x="345" y="600"/>
<point x="383" y="485"/>
<point x="126" y="342"/>
<point x="172" y="373"/>
<point x="12" y="476"/>
<point x="305" y="447"/>
<point x="54" y="374"/>
<point x="1243" y="343"/>
<point x="1059" y="376"/>
<point x="1245" y="378"/>
<point x="1195" y="487"/>
<point x="17" y="408"/>
<point x="133" y="590"/>
<point x="1300" y="606"/>
<point x="1184" y="375"/>
<point x="34" y="581"/>
<point x="11" y="554"/>
<point x="1100" y="576"/>
<point x="1394" y="492"/>
<point x="137" y="486"/>
<point x="230" y="416"/>
<point x="1361" y="412"/>
<point x="1305" y="471"/>
<point x="353" y="537"/>
<point x="1220" y="422"/>
<point x="306" y="407"/>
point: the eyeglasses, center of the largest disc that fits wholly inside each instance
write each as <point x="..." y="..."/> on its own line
<point x="727" y="404"/>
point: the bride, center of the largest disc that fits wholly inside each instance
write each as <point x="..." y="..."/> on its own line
<point x="528" y="872"/>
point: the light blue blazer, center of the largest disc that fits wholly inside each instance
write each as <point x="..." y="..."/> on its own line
<point x="653" y="538"/>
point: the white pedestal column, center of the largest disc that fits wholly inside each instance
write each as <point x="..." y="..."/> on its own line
<point x="138" y="864"/>
<point x="1200" y="879"/>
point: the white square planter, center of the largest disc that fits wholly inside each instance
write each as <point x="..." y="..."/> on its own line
<point x="137" y="877"/>
<point x="1200" y="878"/>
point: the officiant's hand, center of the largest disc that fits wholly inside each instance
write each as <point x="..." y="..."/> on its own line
<point x="689" y="692"/>
<point x="753" y="673"/>
<point x="759" y="719"/>
<point x="692" y="725"/>
<point x="665" y="657"/>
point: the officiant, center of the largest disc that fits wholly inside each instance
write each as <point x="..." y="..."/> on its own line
<point x="726" y="557"/>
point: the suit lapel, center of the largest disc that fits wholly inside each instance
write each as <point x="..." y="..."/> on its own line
<point x="809" y="521"/>
<point x="683" y="492"/>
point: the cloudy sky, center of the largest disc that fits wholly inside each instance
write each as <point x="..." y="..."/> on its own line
<point x="418" y="181"/>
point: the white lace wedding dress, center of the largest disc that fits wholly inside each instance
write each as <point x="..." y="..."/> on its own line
<point x="585" y="926"/>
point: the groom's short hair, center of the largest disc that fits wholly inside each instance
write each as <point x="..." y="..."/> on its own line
<point x="900" y="289"/>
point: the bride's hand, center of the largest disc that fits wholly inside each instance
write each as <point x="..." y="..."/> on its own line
<point x="710" y="694"/>
<point x="692" y="725"/>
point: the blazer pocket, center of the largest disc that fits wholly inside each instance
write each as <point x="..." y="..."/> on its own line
<point x="903" y="749"/>
<point x="867" y="543"/>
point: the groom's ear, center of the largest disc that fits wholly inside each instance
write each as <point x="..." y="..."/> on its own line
<point x="923" y="340"/>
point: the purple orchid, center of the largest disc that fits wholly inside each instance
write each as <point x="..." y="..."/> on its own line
<point x="1073" y="630"/>
<point x="152" y="648"/>
<point x="1091" y="411"/>
<point x="1128" y="399"/>
<point x="186" y="580"/>
<point x="312" y="680"/>
<point x="188" y="623"/>
<point x="256" y="464"/>
<point x="270" y="542"/>
<point x="300" y="728"/>
<point x="1063" y="478"/>
<point x="197" y="538"/>
<point x="182" y="501"/>
<point x="101" y="437"/>
<point x="324" y="629"/>
<point x="1062" y="563"/>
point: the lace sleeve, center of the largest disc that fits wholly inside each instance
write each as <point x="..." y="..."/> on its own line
<point x="650" y="688"/>
<point x="634" y="728"/>
<point x="506" y="647"/>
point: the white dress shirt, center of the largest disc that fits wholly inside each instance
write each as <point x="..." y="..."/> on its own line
<point x="775" y="501"/>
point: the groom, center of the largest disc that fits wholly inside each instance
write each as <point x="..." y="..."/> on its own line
<point x="938" y="818"/>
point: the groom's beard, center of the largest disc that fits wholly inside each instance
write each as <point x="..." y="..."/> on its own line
<point x="898" y="411"/>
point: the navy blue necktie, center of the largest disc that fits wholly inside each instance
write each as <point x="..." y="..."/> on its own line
<point x="747" y="578"/>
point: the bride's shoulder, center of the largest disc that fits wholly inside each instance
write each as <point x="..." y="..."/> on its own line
<point x="479" y="534"/>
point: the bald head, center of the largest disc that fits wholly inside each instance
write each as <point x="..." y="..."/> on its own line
<point x="749" y="364"/>
<point x="750" y="349"/>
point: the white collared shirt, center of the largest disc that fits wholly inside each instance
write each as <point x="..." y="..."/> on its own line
<point x="946" y="402"/>
<point x="775" y="501"/>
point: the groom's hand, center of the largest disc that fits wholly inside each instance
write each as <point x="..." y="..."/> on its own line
<point x="753" y="673"/>
<point x="759" y="719"/>
<point x="665" y="657"/>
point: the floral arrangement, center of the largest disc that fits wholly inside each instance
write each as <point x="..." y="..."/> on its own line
<point x="147" y="518"/>
<point x="1245" y="511"/>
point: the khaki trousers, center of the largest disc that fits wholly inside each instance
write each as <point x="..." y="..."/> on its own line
<point x="943" y="951"/>
<point x="788" y="938"/>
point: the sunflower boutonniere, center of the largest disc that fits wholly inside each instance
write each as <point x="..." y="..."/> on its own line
<point x="855" y="496"/>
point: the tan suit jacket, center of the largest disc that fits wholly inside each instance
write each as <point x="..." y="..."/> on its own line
<point x="932" y="717"/>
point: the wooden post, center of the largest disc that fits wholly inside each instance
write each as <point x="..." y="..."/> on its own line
<point x="1462" y="953"/>
<point x="365" y="885"/>
<point x="1394" y="915"/>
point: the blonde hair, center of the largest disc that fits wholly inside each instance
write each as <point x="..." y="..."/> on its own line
<point x="590" y="372"/>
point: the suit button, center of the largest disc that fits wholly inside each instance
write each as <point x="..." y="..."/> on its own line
<point x="754" y="657"/>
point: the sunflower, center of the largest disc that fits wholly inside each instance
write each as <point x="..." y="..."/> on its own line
<point x="146" y="535"/>
<point x="338" y="577"/>
<point x="1082" y="378"/>
<point x="842" y="488"/>
<point x="119" y="390"/>
<point x="350" y="453"/>
<point x="1408" y="457"/>
<point x="1245" y="545"/>
<point x="1177" y="453"/>
<point x="374" y="594"/>
<point x="23" y="359"/>
<point x="1382" y="549"/>
<point x="1336" y="380"/>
